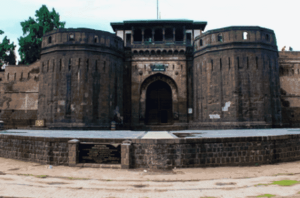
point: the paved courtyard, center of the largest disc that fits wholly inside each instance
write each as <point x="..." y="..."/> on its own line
<point x="150" y="134"/>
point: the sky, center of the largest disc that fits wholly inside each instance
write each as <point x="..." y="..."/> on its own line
<point x="282" y="16"/>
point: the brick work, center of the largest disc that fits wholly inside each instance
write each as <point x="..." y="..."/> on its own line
<point x="35" y="149"/>
<point x="160" y="153"/>
<point x="290" y="87"/>
<point x="236" y="79"/>
<point x="82" y="86"/>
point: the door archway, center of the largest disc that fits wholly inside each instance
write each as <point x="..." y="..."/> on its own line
<point x="159" y="103"/>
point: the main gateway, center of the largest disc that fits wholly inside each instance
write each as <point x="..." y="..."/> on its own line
<point x="150" y="75"/>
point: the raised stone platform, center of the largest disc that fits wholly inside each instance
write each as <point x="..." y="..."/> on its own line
<point x="157" y="150"/>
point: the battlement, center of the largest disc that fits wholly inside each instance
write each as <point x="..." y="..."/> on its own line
<point x="81" y="36"/>
<point x="236" y="34"/>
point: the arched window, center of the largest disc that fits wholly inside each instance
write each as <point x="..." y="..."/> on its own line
<point x="245" y="35"/>
<point x="71" y="37"/>
<point x="267" y="37"/>
<point x="201" y="42"/>
<point x="220" y="38"/>
<point x="49" y="39"/>
<point x="96" y="39"/>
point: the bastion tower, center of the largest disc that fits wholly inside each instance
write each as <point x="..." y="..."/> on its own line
<point x="236" y="79"/>
<point x="81" y="79"/>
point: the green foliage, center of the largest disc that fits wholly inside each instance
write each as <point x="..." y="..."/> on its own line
<point x="266" y="195"/>
<point x="33" y="30"/>
<point x="7" y="53"/>
<point x="285" y="182"/>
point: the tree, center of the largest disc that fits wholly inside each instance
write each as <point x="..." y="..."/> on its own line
<point x="7" y="53"/>
<point x="33" y="31"/>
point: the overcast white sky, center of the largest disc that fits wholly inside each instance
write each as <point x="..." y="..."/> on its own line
<point x="280" y="15"/>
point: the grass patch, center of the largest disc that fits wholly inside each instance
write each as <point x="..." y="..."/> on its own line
<point x="77" y="178"/>
<point x="26" y="175"/>
<point x="285" y="182"/>
<point x="266" y="195"/>
<point x="41" y="176"/>
<point x="262" y="185"/>
<point x="281" y="183"/>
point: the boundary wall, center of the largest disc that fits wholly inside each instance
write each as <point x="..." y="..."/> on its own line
<point x="160" y="153"/>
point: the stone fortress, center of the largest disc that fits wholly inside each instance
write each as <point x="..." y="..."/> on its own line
<point x="155" y="75"/>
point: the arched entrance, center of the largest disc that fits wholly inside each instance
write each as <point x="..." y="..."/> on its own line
<point x="159" y="103"/>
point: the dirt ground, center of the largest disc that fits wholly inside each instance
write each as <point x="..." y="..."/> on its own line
<point x="27" y="179"/>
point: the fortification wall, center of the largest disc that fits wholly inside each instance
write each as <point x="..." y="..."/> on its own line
<point x="290" y="87"/>
<point x="236" y="81"/>
<point x="81" y="79"/>
<point x="19" y="90"/>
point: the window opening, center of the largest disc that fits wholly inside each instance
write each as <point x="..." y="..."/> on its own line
<point x="87" y="65"/>
<point x="71" y="37"/>
<point x="179" y="34"/>
<point x="229" y="62"/>
<point x="238" y="62"/>
<point x="245" y="35"/>
<point x="96" y="39"/>
<point x="247" y="62"/>
<point x="137" y="35"/>
<point x="70" y="60"/>
<point x="49" y="39"/>
<point x="220" y="64"/>
<point x="201" y="42"/>
<point x="60" y="65"/>
<point x="47" y="65"/>
<point x="79" y="63"/>
<point x="220" y="38"/>
<point x="104" y="64"/>
<point x="148" y="36"/>
<point x="128" y="39"/>
<point x="158" y="36"/>
<point x="212" y="65"/>
<point x="256" y="62"/>
<point x="189" y="38"/>
<point x="169" y="34"/>
<point x="53" y="65"/>
<point x="267" y="37"/>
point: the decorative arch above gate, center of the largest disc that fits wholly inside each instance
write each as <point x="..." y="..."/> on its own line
<point x="144" y="88"/>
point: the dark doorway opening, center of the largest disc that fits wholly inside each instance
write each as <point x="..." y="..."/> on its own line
<point x="188" y="38"/>
<point x="159" y="103"/>
<point x="128" y="40"/>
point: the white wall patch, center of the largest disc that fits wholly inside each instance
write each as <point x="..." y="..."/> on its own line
<point x="227" y="105"/>
<point x="214" y="116"/>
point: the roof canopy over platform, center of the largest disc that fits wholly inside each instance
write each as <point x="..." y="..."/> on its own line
<point x="189" y="24"/>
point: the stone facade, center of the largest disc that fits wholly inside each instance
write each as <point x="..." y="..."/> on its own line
<point x="154" y="75"/>
<point x="290" y="87"/>
<point x="236" y="78"/>
<point x="19" y="89"/>
<point x="158" y="154"/>
<point x="81" y="79"/>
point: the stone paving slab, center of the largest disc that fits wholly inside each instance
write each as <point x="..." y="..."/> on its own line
<point x="239" y="132"/>
<point x="158" y="135"/>
<point x="127" y="134"/>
